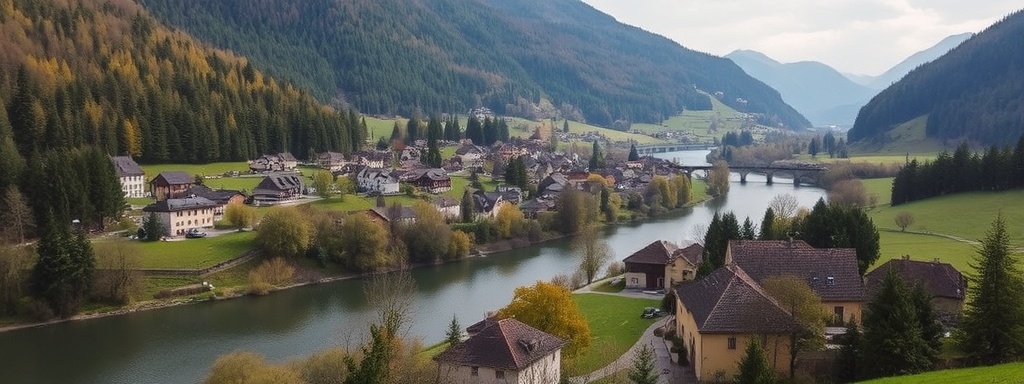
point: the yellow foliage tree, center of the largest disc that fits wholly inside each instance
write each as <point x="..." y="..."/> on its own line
<point x="550" y="308"/>
<point x="248" y="367"/>
<point x="132" y="138"/>
<point x="509" y="220"/>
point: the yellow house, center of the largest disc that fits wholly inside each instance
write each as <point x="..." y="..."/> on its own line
<point x="832" y="273"/>
<point x="177" y="216"/>
<point x="661" y="265"/>
<point x="502" y="351"/>
<point x="720" y="314"/>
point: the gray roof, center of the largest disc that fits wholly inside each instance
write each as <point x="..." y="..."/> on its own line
<point x="280" y="182"/>
<point x="126" y="166"/>
<point x="176" y="177"/>
<point x="174" y="205"/>
<point x="506" y="344"/>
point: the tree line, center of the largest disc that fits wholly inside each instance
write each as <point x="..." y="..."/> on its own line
<point x="111" y="77"/>
<point x="996" y="169"/>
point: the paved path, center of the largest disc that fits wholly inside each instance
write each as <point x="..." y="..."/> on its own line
<point x="669" y="371"/>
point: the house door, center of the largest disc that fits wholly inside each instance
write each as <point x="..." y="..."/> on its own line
<point x="661" y="283"/>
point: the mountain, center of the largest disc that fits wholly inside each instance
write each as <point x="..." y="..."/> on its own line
<point x="106" y="74"/>
<point x="899" y="70"/>
<point x="820" y="93"/>
<point x="513" y="56"/>
<point x="975" y="92"/>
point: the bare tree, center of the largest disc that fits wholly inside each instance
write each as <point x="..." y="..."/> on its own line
<point x="391" y="295"/>
<point x="593" y="252"/>
<point x="784" y="206"/>
<point x="904" y="219"/>
<point x="117" y="278"/>
<point x="849" y="193"/>
<point x="17" y="216"/>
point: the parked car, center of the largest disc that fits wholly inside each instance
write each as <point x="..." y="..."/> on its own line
<point x="194" y="233"/>
<point x="650" y="313"/>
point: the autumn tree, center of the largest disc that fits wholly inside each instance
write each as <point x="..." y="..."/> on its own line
<point x="642" y="370"/>
<point x="550" y="308"/>
<point x="427" y="238"/>
<point x="794" y="295"/>
<point x="17" y="217"/>
<point x="240" y="216"/>
<point x="15" y="265"/>
<point x="359" y="243"/>
<point x="992" y="327"/>
<point x="848" y="192"/>
<point x="904" y="219"/>
<point x="576" y="209"/>
<point x="510" y="221"/>
<point x="284" y="231"/>
<point x="593" y="252"/>
<point x="275" y="272"/>
<point x="117" y="278"/>
<point x="718" y="179"/>
<point x="323" y="182"/>
<point x="248" y="367"/>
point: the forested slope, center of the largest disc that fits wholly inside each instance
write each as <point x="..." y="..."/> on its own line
<point x="106" y="74"/>
<point x="397" y="56"/>
<point x="974" y="92"/>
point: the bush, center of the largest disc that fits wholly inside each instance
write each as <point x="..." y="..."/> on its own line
<point x="659" y="332"/>
<point x="270" y="273"/>
<point x="615" y="269"/>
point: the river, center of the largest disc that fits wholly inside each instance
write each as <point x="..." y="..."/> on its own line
<point x="178" y="344"/>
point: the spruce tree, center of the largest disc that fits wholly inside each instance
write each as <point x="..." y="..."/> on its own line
<point x="748" y="232"/>
<point x="753" y="368"/>
<point x="767" y="225"/>
<point x="396" y="132"/>
<point x="565" y="126"/>
<point x="412" y="130"/>
<point x="643" y="369"/>
<point x="454" y="334"/>
<point x="931" y="330"/>
<point x="892" y="334"/>
<point x="63" y="270"/>
<point x="596" y="157"/>
<point x="474" y="131"/>
<point x="849" y="353"/>
<point x="992" y="327"/>
<point x="466" y="207"/>
<point x="633" y="154"/>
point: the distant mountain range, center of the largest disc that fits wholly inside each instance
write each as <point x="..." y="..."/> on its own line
<point x="517" y="57"/>
<point x="975" y="92"/>
<point x="824" y="95"/>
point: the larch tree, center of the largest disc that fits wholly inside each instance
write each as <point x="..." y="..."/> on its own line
<point x="323" y="182"/>
<point x="240" y="216"/>
<point x="17" y="215"/>
<point x="992" y="328"/>
<point x="799" y="299"/>
<point x="550" y="308"/>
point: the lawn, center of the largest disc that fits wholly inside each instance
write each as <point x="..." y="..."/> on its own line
<point x="966" y="215"/>
<point x="895" y="244"/>
<point x="615" y="325"/>
<point x="1005" y="373"/>
<point x="195" y="253"/>
<point x="351" y="203"/>
<point x="699" y="122"/>
<point x="906" y="138"/>
<point x="192" y="169"/>
<point x="881" y="188"/>
<point x="233" y="183"/>
<point x="609" y="287"/>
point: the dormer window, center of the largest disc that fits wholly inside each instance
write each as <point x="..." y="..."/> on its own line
<point x="831" y="280"/>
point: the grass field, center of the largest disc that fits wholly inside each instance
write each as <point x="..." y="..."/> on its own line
<point x="518" y="127"/>
<point x="699" y="122"/>
<point x="192" y="169"/>
<point x="615" y="325"/>
<point x="195" y="253"/>
<point x="1005" y="373"/>
<point x="881" y="188"/>
<point x="905" y="138"/>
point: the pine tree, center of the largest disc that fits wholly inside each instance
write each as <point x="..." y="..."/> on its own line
<point x="992" y="327"/>
<point x="753" y="368"/>
<point x="412" y="131"/>
<point x="643" y="369"/>
<point x="767" y="225"/>
<point x="490" y="131"/>
<point x="565" y="126"/>
<point x="396" y="133"/>
<point x="849" y="353"/>
<point x="633" y="154"/>
<point x="892" y="334"/>
<point x="63" y="271"/>
<point x="931" y="330"/>
<point x="454" y="334"/>
<point x="475" y="131"/>
<point x="466" y="207"/>
<point x="748" y="232"/>
<point x="596" y="157"/>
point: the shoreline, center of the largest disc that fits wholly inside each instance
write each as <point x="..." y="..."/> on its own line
<point x="494" y="247"/>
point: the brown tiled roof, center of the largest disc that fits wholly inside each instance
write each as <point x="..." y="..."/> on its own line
<point x="658" y="252"/>
<point x="506" y="344"/>
<point x="693" y="254"/>
<point x="831" y="272"/>
<point x="730" y="301"/>
<point x="938" y="279"/>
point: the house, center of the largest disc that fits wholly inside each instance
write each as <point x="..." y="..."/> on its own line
<point x="177" y="216"/>
<point x="222" y="197"/>
<point x="385" y="215"/>
<point x="431" y="180"/>
<point x="332" y="161"/>
<point x="487" y="204"/>
<point x="831" y="272"/>
<point x="717" y="317"/>
<point x="377" y="180"/>
<point x="410" y="154"/>
<point x="133" y="179"/>
<point x="289" y="161"/>
<point x="532" y="207"/>
<point x="944" y="283"/>
<point x="503" y="351"/>
<point x="449" y="207"/>
<point x="278" y="162"/>
<point x="471" y="155"/>
<point x="171" y="185"/>
<point x="661" y="265"/>
<point x="276" y="188"/>
<point x="553" y="184"/>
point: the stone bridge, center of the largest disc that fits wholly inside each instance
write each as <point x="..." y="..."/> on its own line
<point x="647" y="149"/>
<point x="800" y="173"/>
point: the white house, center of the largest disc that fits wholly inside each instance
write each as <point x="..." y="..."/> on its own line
<point x="377" y="180"/>
<point x="177" y="216"/>
<point x="503" y="351"/>
<point x="133" y="179"/>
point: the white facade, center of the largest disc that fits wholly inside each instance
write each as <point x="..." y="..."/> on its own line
<point x="377" y="180"/>
<point x="545" y="370"/>
<point x="133" y="186"/>
<point x="177" y="223"/>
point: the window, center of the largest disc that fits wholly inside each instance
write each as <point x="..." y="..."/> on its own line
<point x="732" y="343"/>
<point x="499" y="375"/>
<point x="838" y="311"/>
<point x="474" y="371"/>
<point x="634" y="280"/>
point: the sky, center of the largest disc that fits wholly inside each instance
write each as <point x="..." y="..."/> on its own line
<point x="854" y="36"/>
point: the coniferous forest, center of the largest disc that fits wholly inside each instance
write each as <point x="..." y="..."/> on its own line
<point x="396" y="56"/>
<point x="975" y="92"/>
<point x="997" y="169"/>
<point x="106" y="74"/>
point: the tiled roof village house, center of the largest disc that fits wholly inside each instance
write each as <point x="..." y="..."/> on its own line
<point x="278" y="162"/>
<point x="332" y="161"/>
<point x="431" y="180"/>
<point x="831" y="272"/>
<point x="133" y="179"/>
<point x="178" y="215"/>
<point x="222" y="197"/>
<point x="944" y="283"/>
<point x="276" y="188"/>
<point x="170" y="185"/>
<point x="377" y="180"/>
<point x="502" y="351"/>
<point x="718" y="315"/>
<point x="661" y="264"/>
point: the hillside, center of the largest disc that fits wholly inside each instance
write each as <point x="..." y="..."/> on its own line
<point x="899" y="70"/>
<point x="975" y="92"/>
<point x="818" y="91"/>
<point x="527" y="58"/>
<point x="106" y="74"/>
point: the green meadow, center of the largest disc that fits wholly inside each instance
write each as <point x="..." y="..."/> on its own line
<point x="615" y="325"/>
<point x="1005" y="373"/>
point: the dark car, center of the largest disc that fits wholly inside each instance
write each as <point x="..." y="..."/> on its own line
<point x="194" y="234"/>
<point x="650" y="313"/>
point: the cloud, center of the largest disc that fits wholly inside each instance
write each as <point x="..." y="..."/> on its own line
<point x="857" y="36"/>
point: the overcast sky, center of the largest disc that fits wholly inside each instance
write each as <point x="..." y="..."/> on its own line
<point x="854" y="36"/>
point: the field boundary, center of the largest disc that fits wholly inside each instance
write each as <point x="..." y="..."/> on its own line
<point x="227" y="264"/>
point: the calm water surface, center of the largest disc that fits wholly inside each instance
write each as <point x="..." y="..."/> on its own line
<point x="177" y="345"/>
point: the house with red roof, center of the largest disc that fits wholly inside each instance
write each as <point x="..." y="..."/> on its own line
<point x="943" y="282"/>
<point x="502" y="351"/>
<point x="662" y="264"/>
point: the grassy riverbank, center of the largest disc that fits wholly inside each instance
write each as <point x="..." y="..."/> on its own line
<point x="1005" y="373"/>
<point x="615" y="325"/>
